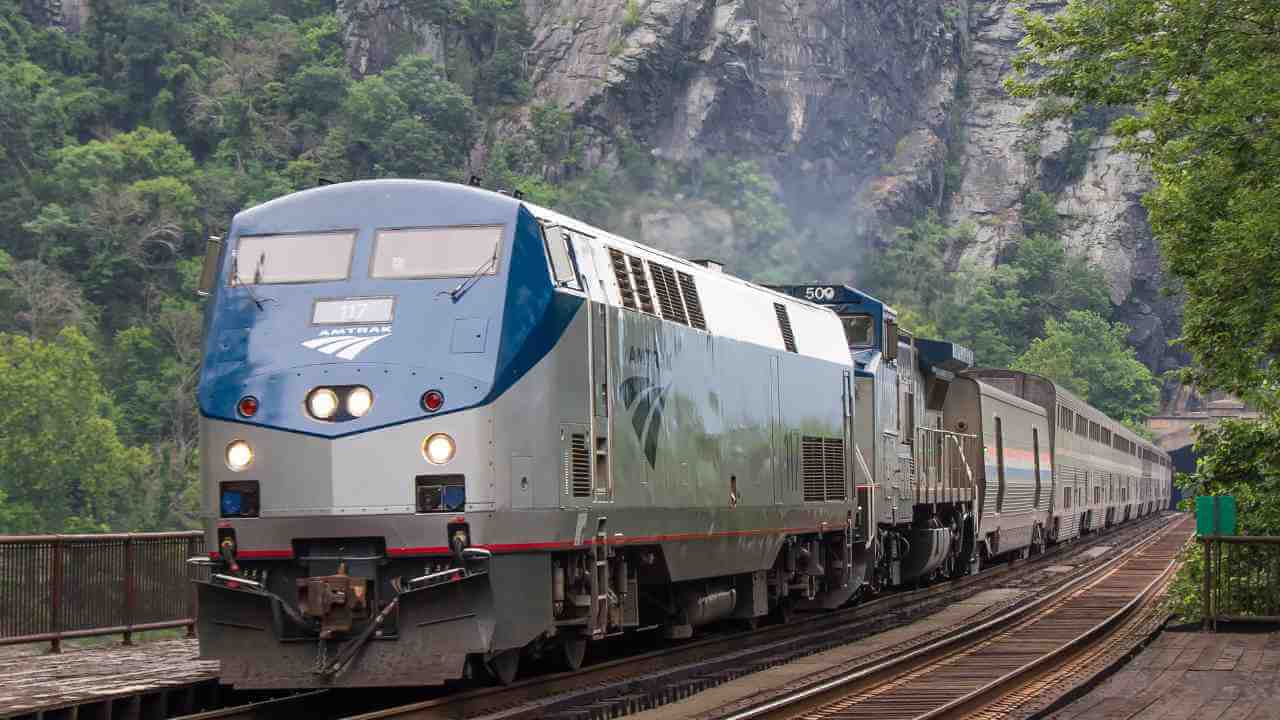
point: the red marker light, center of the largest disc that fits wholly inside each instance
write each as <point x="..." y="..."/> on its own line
<point x="248" y="406"/>
<point x="432" y="400"/>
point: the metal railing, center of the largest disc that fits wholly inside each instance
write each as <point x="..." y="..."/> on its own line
<point x="941" y="459"/>
<point x="54" y="587"/>
<point x="1241" y="579"/>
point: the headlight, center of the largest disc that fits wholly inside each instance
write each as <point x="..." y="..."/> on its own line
<point x="239" y="455"/>
<point x="322" y="403"/>
<point x="438" y="448"/>
<point x="359" y="400"/>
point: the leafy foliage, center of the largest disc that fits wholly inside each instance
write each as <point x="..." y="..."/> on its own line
<point x="1092" y="358"/>
<point x="998" y="312"/>
<point x="62" y="462"/>
<point x="123" y="145"/>
<point x="1239" y="458"/>
<point x="1204" y="81"/>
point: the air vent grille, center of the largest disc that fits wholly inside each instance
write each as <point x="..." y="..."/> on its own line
<point x="578" y="466"/>
<point x="691" y="301"/>
<point x="643" y="296"/>
<point x="668" y="292"/>
<point x="620" y="273"/>
<point x="833" y="468"/>
<point x="784" y="324"/>
<point x="822" y="468"/>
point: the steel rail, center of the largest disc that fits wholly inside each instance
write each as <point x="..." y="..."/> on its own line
<point x="985" y="694"/>
<point x="914" y="661"/>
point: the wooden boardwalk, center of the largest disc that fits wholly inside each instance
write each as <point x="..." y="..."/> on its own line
<point x="1192" y="675"/>
<point x="141" y="677"/>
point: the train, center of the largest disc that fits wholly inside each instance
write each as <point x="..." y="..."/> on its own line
<point x="446" y="432"/>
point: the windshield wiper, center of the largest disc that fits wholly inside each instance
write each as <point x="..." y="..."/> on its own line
<point x="471" y="279"/>
<point x="257" y="275"/>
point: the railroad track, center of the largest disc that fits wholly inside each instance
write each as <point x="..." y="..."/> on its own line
<point x="650" y="679"/>
<point x="1018" y="651"/>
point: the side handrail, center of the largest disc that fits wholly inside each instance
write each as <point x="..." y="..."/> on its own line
<point x="56" y="586"/>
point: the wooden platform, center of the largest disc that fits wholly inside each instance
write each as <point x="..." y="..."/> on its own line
<point x="106" y="682"/>
<point x="1186" y="674"/>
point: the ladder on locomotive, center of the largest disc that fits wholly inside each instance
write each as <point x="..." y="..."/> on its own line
<point x="600" y="582"/>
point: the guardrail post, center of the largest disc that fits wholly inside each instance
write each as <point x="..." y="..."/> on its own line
<point x="193" y="549"/>
<point x="128" y="589"/>
<point x="55" y="596"/>
<point x="1207" y="583"/>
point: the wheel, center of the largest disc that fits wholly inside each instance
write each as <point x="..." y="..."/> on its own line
<point x="505" y="666"/>
<point x="573" y="648"/>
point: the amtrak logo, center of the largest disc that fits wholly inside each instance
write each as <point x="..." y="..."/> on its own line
<point x="644" y="400"/>
<point x="347" y="343"/>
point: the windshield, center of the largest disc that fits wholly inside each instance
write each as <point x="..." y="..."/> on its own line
<point x="292" y="258"/>
<point x="859" y="330"/>
<point x="437" y="252"/>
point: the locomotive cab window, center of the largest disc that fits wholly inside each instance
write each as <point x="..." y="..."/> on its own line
<point x="292" y="258"/>
<point x="439" y="252"/>
<point x="859" y="330"/>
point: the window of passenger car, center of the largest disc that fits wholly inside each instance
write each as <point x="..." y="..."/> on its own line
<point x="1000" y="465"/>
<point x="459" y="251"/>
<point x="292" y="258"/>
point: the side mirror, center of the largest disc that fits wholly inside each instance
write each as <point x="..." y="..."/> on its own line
<point x="890" y="339"/>
<point x="209" y="272"/>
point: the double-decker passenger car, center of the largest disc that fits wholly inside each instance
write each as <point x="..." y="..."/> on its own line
<point x="1103" y="472"/>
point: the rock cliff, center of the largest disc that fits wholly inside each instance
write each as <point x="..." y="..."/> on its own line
<point x="864" y="112"/>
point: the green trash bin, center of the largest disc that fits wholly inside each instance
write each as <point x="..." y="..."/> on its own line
<point x="1215" y="515"/>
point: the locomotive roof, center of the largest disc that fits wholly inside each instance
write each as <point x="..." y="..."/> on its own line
<point x="326" y="208"/>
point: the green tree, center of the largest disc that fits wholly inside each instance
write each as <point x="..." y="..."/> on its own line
<point x="409" y="122"/>
<point x="62" y="463"/>
<point x="1092" y="358"/>
<point x="1054" y="281"/>
<point x="1203" y="80"/>
<point x="914" y="271"/>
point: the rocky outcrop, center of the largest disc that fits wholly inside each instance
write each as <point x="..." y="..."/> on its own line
<point x="70" y="15"/>
<point x="375" y="32"/>
<point x="865" y="113"/>
<point x="1096" y="189"/>
<point x="845" y="103"/>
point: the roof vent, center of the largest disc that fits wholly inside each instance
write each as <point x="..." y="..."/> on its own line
<point x="712" y="265"/>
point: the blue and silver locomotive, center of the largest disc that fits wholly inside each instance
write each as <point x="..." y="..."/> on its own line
<point x="444" y="429"/>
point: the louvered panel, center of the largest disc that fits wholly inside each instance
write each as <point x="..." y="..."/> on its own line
<point x="664" y="284"/>
<point x="579" y="466"/>
<point x="833" y="464"/>
<point x="643" y="296"/>
<point x="784" y="324"/>
<point x="812" y="470"/>
<point x="620" y="273"/>
<point x="692" y="303"/>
